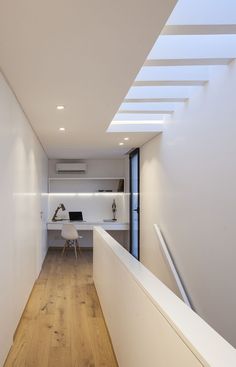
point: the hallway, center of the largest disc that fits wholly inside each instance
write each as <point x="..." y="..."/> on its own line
<point x="63" y="323"/>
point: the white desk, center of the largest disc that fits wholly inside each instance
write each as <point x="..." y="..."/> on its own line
<point x="88" y="226"/>
<point x="118" y="229"/>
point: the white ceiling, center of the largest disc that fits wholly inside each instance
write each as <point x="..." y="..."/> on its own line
<point x="82" y="54"/>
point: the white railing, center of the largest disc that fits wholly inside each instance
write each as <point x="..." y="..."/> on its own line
<point x="172" y="267"/>
<point x="148" y="324"/>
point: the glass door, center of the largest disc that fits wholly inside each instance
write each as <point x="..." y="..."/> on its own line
<point x="134" y="203"/>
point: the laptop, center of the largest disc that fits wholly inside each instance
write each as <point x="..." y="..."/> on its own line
<point x="76" y="216"/>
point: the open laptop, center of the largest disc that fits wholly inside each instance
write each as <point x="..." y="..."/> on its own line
<point x="76" y="216"/>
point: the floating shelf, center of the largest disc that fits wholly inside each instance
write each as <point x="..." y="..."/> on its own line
<point x="86" y="185"/>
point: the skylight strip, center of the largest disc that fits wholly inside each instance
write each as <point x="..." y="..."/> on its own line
<point x="138" y="117"/>
<point x="156" y="83"/>
<point x="148" y="106"/>
<point x="135" y="126"/>
<point x="155" y="100"/>
<point x="196" y="72"/>
<point x="161" y="92"/>
<point x="142" y="122"/>
<point x="194" y="47"/>
<point x="203" y="12"/>
<point x="151" y="112"/>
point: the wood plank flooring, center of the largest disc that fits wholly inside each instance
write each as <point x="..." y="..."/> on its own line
<point x="63" y="325"/>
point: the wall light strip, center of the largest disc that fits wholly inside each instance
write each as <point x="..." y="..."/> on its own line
<point x="83" y="194"/>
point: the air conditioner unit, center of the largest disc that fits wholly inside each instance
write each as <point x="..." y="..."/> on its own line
<point x="71" y="167"/>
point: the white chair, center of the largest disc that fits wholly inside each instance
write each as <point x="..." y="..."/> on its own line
<point x="70" y="234"/>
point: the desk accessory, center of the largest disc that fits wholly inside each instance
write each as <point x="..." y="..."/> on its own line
<point x="114" y="210"/>
<point x="54" y="218"/>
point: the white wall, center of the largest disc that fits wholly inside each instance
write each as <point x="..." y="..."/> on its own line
<point x="95" y="168"/>
<point x="188" y="187"/>
<point x="23" y="167"/>
<point x="95" y="207"/>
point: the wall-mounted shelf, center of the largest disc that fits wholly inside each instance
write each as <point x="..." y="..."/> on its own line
<point x="86" y="184"/>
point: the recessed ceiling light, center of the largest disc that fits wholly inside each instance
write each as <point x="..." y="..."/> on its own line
<point x="60" y="107"/>
<point x="127" y="138"/>
<point x="62" y="129"/>
<point x="121" y="143"/>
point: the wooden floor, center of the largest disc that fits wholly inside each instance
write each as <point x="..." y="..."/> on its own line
<point x="63" y="325"/>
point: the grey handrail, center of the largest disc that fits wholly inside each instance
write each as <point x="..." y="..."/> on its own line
<point x="172" y="267"/>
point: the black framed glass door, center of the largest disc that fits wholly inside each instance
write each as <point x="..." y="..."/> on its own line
<point x="134" y="202"/>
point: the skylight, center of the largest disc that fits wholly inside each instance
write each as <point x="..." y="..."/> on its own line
<point x="194" y="40"/>
<point x="136" y="126"/>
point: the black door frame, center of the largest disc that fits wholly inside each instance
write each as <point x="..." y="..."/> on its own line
<point x="134" y="152"/>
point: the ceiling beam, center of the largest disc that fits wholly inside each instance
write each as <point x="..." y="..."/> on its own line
<point x="177" y="83"/>
<point x="154" y="100"/>
<point x="147" y="112"/>
<point x="188" y="62"/>
<point x="198" y="29"/>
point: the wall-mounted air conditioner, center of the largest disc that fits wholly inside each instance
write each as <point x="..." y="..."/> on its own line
<point x="71" y="167"/>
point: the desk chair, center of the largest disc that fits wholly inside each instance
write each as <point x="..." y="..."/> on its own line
<point x="70" y="234"/>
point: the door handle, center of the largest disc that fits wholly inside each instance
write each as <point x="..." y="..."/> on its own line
<point x="136" y="210"/>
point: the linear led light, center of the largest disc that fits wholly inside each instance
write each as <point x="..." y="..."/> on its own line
<point x="87" y="194"/>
